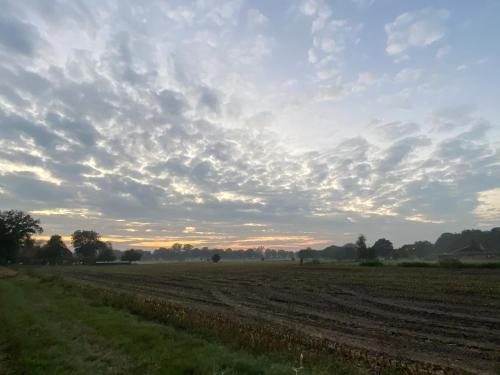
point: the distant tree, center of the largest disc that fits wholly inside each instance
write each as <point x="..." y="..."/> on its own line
<point x="177" y="246"/>
<point x="361" y="249"/>
<point x="419" y="249"/>
<point x="88" y="245"/>
<point x="448" y="242"/>
<point x="423" y="249"/>
<point x="187" y="247"/>
<point x="105" y="252"/>
<point x="54" y="251"/>
<point x="405" y="251"/>
<point x="383" y="248"/>
<point x="16" y="227"/>
<point x="131" y="256"/>
<point x="215" y="258"/>
<point x="307" y="253"/>
<point x="489" y="240"/>
<point x="346" y="252"/>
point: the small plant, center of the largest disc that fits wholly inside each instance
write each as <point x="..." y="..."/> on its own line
<point x="300" y="368"/>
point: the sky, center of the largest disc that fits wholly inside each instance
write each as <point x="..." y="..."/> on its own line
<point x="235" y="123"/>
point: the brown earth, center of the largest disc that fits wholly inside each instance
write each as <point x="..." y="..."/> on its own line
<point x="6" y="272"/>
<point x="447" y="319"/>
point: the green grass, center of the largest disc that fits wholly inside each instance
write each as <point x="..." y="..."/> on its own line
<point x="51" y="329"/>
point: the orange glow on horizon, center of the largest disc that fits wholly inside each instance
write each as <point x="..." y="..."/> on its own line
<point x="150" y="243"/>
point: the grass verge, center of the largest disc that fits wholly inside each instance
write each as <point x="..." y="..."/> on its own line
<point x="50" y="328"/>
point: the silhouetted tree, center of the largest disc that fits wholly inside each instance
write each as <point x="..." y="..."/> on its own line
<point x="54" y="251"/>
<point x="361" y="249"/>
<point x="131" y="256"/>
<point x="177" y="246"/>
<point x="451" y="242"/>
<point x="15" y="228"/>
<point x="215" y="258"/>
<point x="383" y="248"/>
<point x="364" y="252"/>
<point x="105" y="252"/>
<point x="405" y="251"/>
<point x="423" y="249"/>
<point x="187" y="247"/>
<point x="87" y="245"/>
<point x="345" y="252"/>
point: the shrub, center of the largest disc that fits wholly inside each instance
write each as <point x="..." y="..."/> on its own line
<point x="490" y="265"/>
<point x="450" y="263"/>
<point x="215" y="258"/>
<point x="316" y="261"/>
<point x="414" y="264"/>
<point x="487" y="265"/>
<point x="371" y="263"/>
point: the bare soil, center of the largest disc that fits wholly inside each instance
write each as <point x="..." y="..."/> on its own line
<point x="446" y="318"/>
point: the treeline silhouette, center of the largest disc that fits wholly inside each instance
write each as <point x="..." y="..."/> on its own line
<point x="468" y="242"/>
<point x="18" y="228"/>
<point x="179" y="252"/>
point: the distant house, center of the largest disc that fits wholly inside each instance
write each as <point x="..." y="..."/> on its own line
<point x="474" y="250"/>
<point x="31" y="255"/>
<point x="28" y="254"/>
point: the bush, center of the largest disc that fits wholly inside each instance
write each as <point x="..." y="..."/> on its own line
<point x="414" y="264"/>
<point x="371" y="263"/>
<point x="450" y="263"/>
<point x="215" y="258"/>
<point x="315" y="261"/>
<point x="489" y="265"/>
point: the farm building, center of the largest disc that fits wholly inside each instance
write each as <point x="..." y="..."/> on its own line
<point x="473" y="251"/>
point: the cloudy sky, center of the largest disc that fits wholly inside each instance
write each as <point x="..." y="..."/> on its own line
<point x="242" y="123"/>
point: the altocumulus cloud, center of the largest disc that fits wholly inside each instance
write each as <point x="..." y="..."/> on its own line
<point x="129" y="119"/>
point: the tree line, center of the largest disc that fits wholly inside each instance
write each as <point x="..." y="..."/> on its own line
<point x="18" y="228"/>
<point x="17" y="245"/>
<point x="179" y="252"/>
<point x="447" y="243"/>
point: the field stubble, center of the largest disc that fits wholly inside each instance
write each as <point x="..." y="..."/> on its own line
<point x="412" y="320"/>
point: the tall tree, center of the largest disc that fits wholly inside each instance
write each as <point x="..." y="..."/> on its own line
<point x="87" y="244"/>
<point x="54" y="250"/>
<point x="16" y="227"/>
<point x="383" y="248"/>
<point x="361" y="249"/>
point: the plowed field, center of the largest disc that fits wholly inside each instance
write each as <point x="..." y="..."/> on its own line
<point x="432" y="319"/>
